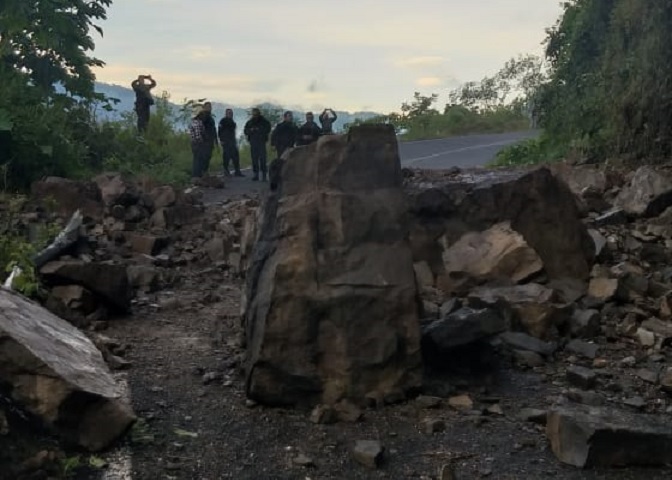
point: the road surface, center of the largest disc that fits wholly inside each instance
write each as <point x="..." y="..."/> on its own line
<point x="465" y="151"/>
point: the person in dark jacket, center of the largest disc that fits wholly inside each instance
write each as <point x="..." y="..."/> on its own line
<point x="309" y="132"/>
<point x="327" y="119"/>
<point x="210" y="137"/>
<point x="257" y="130"/>
<point x="143" y="99"/>
<point x="284" y="134"/>
<point x="227" y="138"/>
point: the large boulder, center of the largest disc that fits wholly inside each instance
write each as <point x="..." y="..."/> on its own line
<point x="108" y="281"/>
<point x="332" y="304"/>
<point x="648" y="194"/>
<point x="53" y="370"/>
<point x="535" y="204"/>
<point x="116" y="189"/>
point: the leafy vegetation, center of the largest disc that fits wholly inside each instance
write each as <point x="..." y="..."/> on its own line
<point x="609" y="88"/>
<point x="495" y="104"/>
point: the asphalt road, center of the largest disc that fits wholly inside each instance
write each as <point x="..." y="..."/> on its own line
<point x="465" y="151"/>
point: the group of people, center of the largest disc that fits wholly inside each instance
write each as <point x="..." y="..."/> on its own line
<point x="258" y="130"/>
<point x="207" y="137"/>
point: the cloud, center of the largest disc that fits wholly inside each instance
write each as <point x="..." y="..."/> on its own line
<point x="428" y="82"/>
<point x="200" y="52"/>
<point x="421" y="62"/>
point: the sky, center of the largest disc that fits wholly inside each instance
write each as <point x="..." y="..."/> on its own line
<point x="354" y="55"/>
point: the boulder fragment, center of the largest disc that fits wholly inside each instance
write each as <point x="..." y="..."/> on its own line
<point x="56" y="373"/>
<point x="648" y="194"/>
<point x="599" y="437"/>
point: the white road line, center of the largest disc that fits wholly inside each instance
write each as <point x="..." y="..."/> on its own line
<point x="120" y="460"/>
<point x="457" y="150"/>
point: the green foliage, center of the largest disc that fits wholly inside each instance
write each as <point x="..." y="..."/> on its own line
<point x="534" y="150"/>
<point x="16" y="250"/>
<point x="610" y="87"/>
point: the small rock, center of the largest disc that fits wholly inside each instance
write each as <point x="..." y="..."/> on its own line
<point x="424" y="401"/>
<point x="585" y="398"/>
<point x="585" y="323"/>
<point x="523" y="341"/>
<point x="526" y="358"/>
<point x="613" y="217"/>
<point x="433" y="425"/>
<point x="348" y="412"/>
<point x="211" y="377"/>
<point x="323" y="414"/>
<point x="447" y="472"/>
<point x="648" y="376"/>
<point x="581" y="377"/>
<point x="645" y="337"/>
<point x="635" y="402"/>
<point x="461" y="402"/>
<point x="600" y="363"/>
<point x="585" y="349"/>
<point x="603" y="289"/>
<point x="303" y="461"/>
<point x="369" y="453"/>
<point x="534" y="415"/>
<point x="666" y="381"/>
<point x="629" y="361"/>
<point x="494" y="409"/>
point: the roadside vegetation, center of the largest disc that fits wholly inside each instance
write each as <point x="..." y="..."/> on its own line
<point x="608" y="87"/>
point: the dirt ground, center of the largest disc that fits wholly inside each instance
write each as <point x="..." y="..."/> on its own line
<point x="187" y="387"/>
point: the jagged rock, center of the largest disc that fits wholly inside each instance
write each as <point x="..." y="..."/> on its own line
<point x="55" y="372"/>
<point x="163" y="197"/>
<point x="461" y="328"/>
<point x="599" y="437"/>
<point x="218" y="249"/>
<point x="648" y="194"/>
<point x="144" y="277"/>
<point x="146" y="244"/>
<point x="333" y="260"/>
<point x="496" y="253"/>
<point x="533" y="307"/>
<point x="585" y="349"/>
<point x="75" y="297"/>
<point x="69" y="196"/>
<point x="108" y="281"/>
<point x="535" y="204"/>
<point x="522" y="341"/>
<point x="116" y="189"/>
<point x="603" y="289"/>
<point x="585" y="323"/>
<point x="581" y="377"/>
<point x="369" y="453"/>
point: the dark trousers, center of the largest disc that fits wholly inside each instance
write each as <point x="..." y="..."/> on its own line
<point x="281" y="149"/>
<point x="201" y="154"/>
<point x="258" y="152"/>
<point x="143" y="119"/>
<point x="230" y="154"/>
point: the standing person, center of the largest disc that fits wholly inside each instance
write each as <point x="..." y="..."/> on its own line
<point x="309" y="132"/>
<point x="227" y="138"/>
<point x="199" y="146"/>
<point x="257" y="130"/>
<point x="327" y="119"/>
<point x="210" y="134"/>
<point x="143" y="99"/>
<point x="284" y="134"/>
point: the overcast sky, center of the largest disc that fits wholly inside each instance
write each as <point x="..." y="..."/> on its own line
<point x="347" y="54"/>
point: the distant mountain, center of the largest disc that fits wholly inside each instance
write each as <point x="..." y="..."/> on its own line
<point x="126" y="99"/>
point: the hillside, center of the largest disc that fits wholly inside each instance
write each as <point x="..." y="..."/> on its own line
<point x="126" y="98"/>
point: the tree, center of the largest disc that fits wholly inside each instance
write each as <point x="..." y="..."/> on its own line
<point x="49" y="42"/>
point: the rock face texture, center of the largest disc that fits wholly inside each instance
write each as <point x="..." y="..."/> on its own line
<point x="57" y="374"/>
<point x="332" y="303"/>
<point x="497" y="225"/>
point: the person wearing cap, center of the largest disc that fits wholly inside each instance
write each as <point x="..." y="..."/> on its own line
<point x="309" y="132"/>
<point x="284" y="135"/>
<point x="327" y="119"/>
<point x="256" y="131"/>
<point x="227" y="138"/>
<point x="200" y="148"/>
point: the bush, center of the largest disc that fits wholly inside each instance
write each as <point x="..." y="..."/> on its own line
<point x="531" y="151"/>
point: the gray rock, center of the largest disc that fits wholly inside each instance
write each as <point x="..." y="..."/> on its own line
<point x="635" y="402"/>
<point x="586" y="398"/>
<point x="465" y="326"/>
<point x="55" y="372"/>
<point x="424" y="401"/>
<point x="433" y="425"/>
<point x="369" y="453"/>
<point x="585" y="323"/>
<point x="599" y="437"/>
<point x="648" y="376"/>
<point x="526" y="358"/>
<point x="613" y="217"/>
<point x="666" y="380"/>
<point x="648" y="194"/>
<point x="534" y="415"/>
<point x="584" y="349"/>
<point x="522" y="341"/>
<point x="581" y="377"/>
